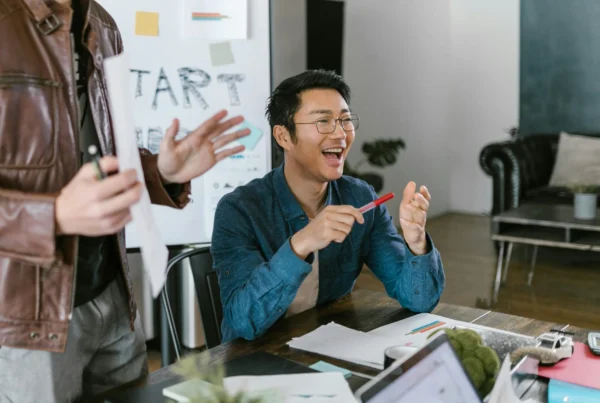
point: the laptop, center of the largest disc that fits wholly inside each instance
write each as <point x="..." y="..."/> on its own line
<point x="433" y="374"/>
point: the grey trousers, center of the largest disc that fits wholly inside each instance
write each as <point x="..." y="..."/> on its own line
<point x="102" y="353"/>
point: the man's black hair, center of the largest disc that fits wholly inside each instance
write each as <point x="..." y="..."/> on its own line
<point x="285" y="100"/>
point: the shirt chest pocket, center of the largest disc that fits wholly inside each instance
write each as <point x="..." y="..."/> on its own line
<point x="349" y="256"/>
<point x="28" y="121"/>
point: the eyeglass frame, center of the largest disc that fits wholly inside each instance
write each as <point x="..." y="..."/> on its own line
<point x="335" y="125"/>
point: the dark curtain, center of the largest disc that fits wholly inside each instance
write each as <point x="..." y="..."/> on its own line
<point x="325" y="34"/>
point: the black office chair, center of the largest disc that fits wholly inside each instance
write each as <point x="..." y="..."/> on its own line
<point x="209" y="301"/>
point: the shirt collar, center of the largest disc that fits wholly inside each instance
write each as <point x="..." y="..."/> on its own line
<point x="289" y="205"/>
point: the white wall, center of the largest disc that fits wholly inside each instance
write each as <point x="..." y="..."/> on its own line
<point x="484" y="93"/>
<point x="288" y="38"/>
<point x="396" y="60"/>
<point x="444" y="76"/>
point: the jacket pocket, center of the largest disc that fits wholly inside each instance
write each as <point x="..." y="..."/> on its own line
<point x="28" y="121"/>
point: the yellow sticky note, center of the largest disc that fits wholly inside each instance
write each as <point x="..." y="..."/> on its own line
<point x="146" y="23"/>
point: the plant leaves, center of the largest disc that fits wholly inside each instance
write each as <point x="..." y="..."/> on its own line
<point x="382" y="153"/>
<point x="198" y="367"/>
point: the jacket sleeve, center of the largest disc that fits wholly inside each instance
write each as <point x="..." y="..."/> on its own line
<point x="416" y="282"/>
<point x="255" y="292"/>
<point x="174" y="195"/>
<point x="27" y="226"/>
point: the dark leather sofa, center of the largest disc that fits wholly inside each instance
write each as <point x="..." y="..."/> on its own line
<point x="521" y="170"/>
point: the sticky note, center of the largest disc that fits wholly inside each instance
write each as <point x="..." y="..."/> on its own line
<point x="146" y="23"/>
<point x="251" y="140"/>
<point x="323" y="366"/>
<point x="221" y="54"/>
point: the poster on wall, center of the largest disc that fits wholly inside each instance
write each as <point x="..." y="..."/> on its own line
<point x="191" y="80"/>
<point x="215" y="19"/>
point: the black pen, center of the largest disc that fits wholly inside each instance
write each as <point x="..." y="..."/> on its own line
<point x="100" y="174"/>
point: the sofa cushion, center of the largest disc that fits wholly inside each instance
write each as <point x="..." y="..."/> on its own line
<point x="577" y="161"/>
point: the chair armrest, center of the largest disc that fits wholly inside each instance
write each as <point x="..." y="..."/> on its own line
<point x="516" y="167"/>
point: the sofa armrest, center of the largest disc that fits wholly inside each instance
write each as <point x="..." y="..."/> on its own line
<point x="516" y="167"/>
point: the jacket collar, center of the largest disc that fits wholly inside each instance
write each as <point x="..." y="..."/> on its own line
<point x="289" y="205"/>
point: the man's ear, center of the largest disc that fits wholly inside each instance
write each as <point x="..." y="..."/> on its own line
<point x="283" y="137"/>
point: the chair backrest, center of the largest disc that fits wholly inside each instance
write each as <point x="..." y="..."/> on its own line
<point x="208" y="294"/>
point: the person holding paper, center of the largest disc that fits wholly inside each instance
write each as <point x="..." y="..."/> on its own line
<point x="296" y="238"/>
<point x="68" y="319"/>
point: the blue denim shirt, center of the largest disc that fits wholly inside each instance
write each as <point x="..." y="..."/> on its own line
<point x="259" y="274"/>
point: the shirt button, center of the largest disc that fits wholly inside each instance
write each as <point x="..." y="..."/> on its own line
<point x="34" y="335"/>
<point x="279" y="310"/>
<point x="417" y="292"/>
<point x="415" y="264"/>
<point x="53" y="336"/>
<point x="227" y="272"/>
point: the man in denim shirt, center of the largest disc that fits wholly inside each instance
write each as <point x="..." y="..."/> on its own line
<point x="295" y="238"/>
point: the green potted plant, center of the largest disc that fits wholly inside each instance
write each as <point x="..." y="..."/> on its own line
<point x="204" y="383"/>
<point x="585" y="201"/>
<point x="379" y="153"/>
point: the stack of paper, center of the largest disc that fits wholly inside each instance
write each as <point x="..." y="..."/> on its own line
<point x="328" y="387"/>
<point x="346" y="344"/>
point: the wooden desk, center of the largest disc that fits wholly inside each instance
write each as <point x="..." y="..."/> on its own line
<point x="362" y="310"/>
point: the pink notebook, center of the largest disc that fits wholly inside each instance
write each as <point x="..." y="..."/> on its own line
<point x="583" y="368"/>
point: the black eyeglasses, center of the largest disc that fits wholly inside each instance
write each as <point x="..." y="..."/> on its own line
<point x="327" y="125"/>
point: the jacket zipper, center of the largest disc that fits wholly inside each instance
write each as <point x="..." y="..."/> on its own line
<point x="77" y="162"/>
<point x="9" y="80"/>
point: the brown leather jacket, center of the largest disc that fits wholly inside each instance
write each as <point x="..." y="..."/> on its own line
<point x="39" y="135"/>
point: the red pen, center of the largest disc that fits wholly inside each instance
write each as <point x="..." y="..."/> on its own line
<point x="376" y="203"/>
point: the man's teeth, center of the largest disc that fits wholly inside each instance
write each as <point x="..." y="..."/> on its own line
<point x="333" y="150"/>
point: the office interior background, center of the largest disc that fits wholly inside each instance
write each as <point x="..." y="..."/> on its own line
<point x="450" y="78"/>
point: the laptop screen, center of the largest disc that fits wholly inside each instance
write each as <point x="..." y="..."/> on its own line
<point x="437" y="377"/>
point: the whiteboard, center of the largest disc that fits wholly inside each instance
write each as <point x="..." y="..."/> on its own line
<point x="164" y="62"/>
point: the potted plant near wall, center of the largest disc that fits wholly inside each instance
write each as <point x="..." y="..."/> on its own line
<point x="379" y="153"/>
<point x="585" y="201"/>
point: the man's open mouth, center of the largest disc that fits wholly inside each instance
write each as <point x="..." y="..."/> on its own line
<point x="333" y="153"/>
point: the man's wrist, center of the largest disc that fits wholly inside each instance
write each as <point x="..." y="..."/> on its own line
<point x="298" y="246"/>
<point x="163" y="179"/>
<point x="58" y="230"/>
<point x="419" y="249"/>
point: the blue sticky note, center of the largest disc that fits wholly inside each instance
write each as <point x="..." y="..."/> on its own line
<point x="559" y="390"/>
<point x="251" y="140"/>
<point x="323" y="366"/>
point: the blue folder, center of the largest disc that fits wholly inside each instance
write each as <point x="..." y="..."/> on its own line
<point x="559" y="390"/>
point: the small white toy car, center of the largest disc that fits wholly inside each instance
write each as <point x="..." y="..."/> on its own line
<point x="560" y="344"/>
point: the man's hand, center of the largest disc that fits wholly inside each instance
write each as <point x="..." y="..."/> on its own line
<point x="184" y="160"/>
<point x="333" y="224"/>
<point x="87" y="206"/>
<point x="413" y="215"/>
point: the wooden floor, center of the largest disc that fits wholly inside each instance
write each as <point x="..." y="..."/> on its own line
<point x="565" y="289"/>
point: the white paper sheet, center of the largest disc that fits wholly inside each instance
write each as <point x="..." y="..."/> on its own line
<point x="215" y="19"/>
<point x="346" y="344"/>
<point x="327" y="387"/>
<point x="503" y="391"/>
<point x="154" y="251"/>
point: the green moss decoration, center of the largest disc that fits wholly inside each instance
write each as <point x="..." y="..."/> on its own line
<point x="481" y="362"/>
